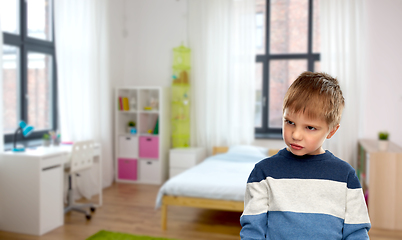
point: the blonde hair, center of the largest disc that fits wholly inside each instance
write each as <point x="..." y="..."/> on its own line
<point x="318" y="95"/>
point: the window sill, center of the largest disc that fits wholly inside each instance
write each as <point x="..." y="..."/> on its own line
<point x="268" y="136"/>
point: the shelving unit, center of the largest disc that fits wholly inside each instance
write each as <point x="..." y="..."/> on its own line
<point x="142" y="157"/>
<point x="379" y="174"/>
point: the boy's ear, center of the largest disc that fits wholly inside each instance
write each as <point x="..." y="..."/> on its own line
<point x="333" y="131"/>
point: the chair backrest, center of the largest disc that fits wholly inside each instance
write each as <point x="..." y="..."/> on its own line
<point x="82" y="156"/>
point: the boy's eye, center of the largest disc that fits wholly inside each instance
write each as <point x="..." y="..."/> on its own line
<point x="311" y="128"/>
<point x="289" y="122"/>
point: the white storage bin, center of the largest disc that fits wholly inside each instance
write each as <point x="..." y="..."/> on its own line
<point x="148" y="170"/>
<point x="128" y="146"/>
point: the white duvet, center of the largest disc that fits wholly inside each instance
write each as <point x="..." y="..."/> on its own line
<point x="222" y="176"/>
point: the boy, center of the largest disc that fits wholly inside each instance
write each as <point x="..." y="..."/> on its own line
<point x="305" y="192"/>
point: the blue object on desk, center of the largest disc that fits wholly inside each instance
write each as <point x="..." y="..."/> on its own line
<point x="25" y="130"/>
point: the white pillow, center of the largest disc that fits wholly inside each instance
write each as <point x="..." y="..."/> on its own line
<point x="249" y="150"/>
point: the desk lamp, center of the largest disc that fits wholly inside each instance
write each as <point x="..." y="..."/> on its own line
<point x="26" y="130"/>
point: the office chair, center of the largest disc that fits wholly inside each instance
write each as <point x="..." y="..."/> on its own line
<point x="81" y="159"/>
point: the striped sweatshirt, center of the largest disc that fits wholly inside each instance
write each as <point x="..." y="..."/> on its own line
<point x="307" y="197"/>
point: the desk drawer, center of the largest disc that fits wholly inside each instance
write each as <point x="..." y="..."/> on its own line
<point x="52" y="161"/>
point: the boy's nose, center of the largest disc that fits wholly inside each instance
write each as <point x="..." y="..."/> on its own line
<point x="297" y="135"/>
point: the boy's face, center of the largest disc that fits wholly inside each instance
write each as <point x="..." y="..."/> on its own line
<point x="303" y="135"/>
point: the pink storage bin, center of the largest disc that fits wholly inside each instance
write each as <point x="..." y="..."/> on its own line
<point x="149" y="147"/>
<point x="127" y="169"/>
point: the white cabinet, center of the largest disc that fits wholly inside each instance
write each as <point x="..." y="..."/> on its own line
<point x="31" y="192"/>
<point x="182" y="159"/>
<point x="50" y="210"/>
<point x="142" y="151"/>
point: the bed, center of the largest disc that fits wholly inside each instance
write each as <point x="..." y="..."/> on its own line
<point x="219" y="182"/>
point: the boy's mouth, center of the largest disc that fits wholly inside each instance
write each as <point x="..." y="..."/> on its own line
<point x="296" y="147"/>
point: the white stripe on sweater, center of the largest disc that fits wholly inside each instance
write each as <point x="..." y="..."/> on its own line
<point x="296" y="195"/>
<point x="356" y="209"/>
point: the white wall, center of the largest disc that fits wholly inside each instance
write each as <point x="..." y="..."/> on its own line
<point x="143" y="34"/>
<point x="383" y="95"/>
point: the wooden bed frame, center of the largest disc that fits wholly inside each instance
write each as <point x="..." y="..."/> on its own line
<point x="235" y="206"/>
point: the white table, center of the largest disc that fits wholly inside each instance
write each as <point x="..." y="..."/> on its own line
<point x="32" y="188"/>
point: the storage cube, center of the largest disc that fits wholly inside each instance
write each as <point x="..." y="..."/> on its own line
<point x="128" y="146"/>
<point x="149" y="147"/>
<point x="127" y="169"/>
<point x="149" y="170"/>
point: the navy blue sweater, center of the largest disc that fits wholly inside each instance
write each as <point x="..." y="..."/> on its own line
<point x="307" y="197"/>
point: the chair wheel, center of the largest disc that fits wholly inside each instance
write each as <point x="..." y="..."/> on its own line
<point x="92" y="209"/>
<point x="88" y="217"/>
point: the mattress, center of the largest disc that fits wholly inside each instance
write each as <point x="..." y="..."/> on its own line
<point x="223" y="176"/>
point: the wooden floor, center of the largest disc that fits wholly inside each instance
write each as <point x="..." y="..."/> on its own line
<point x="129" y="208"/>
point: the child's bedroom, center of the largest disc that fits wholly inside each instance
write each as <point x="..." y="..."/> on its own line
<point x="200" y="119"/>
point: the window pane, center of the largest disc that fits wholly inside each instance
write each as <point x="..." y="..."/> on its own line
<point x="258" y="95"/>
<point x="316" y="26"/>
<point x="260" y="26"/>
<point x="317" y="66"/>
<point x="281" y="75"/>
<point x="11" y="80"/>
<point x="289" y="26"/>
<point x="9" y="12"/>
<point x="40" y="19"/>
<point x="40" y="72"/>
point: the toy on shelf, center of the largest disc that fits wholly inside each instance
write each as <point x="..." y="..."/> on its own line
<point x="156" y="128"/>
<point x="153" y="103"/>
<point x="182" y="79"/>
<point x="131" y="127"/>
<point x="132" y="103"/>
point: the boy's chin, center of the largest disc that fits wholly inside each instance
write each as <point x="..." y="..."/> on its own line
<point x="296" y="152"/>
<point x="303" y="152"/>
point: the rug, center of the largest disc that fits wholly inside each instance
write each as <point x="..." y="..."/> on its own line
<point x="107" y="235"/>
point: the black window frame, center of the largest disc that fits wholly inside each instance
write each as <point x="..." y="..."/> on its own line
<point x="28" y="44"/>
<point x="265" y="131"/>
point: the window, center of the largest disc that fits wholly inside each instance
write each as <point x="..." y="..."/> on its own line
<point x="287" y="43"/>
<point x="29" y="79"/>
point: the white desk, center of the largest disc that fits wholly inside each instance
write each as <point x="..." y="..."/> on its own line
<point x="31" y="189"/>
